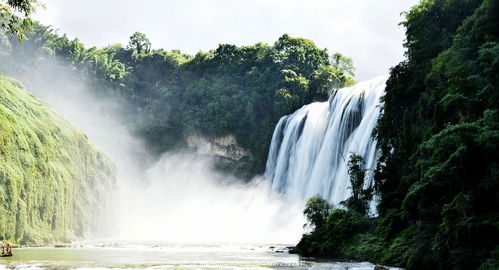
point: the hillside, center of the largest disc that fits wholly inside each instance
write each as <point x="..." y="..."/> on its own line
<point x="439" y="186"/>
<point x="437" y="176"/>
<point x="235" y="91"/>
<point x="53" y="183"/>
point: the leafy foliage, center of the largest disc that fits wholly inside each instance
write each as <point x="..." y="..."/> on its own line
<point x="316" y="211"/>
<point x="335" y="237"/>
<point x="241" y="91"/>
<point x="438" y="176"/>
<point x="14" y="16"/>
<point x="139" y="44"/>
<point x="359" y="201"/>
<point x="438" y="172"/>
<point x="342" y="233"/>
<point x="53" y="183"/>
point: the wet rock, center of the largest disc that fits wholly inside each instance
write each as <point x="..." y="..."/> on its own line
<point x="224" y="146"/>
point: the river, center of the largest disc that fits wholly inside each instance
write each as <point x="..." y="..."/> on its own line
<point x="160" y="255"/>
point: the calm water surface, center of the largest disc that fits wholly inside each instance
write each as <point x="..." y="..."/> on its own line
<point x="155" y="255"/>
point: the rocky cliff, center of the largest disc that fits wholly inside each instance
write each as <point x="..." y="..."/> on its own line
<point x="225" y="147"/>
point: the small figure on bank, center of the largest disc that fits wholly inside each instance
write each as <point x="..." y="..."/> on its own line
<point x="6" y="248"/>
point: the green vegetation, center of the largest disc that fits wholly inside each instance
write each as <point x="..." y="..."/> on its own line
<point x="438" y="172"/>
<point x="316" y="211"/>
<point x="342" y="233"/>
<point x="437" y="177"/>
<point x="14" y="16"/>
<point x="439" y="186"/>
<point x="359" y="201"/>
<point x="53" y="183"/>
<point x="241" y="91"/>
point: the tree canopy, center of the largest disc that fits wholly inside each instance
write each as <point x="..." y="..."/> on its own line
<point x="437" y="177"/>
<point x="15" y="16"/>
<point x="238" y="90"/>
<point x="316" y="211"/>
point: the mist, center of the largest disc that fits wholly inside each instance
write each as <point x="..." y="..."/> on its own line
<point x="187" y="201"/>
<point x="177" y="197"/>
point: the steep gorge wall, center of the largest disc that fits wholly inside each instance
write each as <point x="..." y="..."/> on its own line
<point x="53" y="183"/>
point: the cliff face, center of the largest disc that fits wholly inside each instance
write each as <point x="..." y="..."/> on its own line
<point x="225" y="147"/>
<point x="53" y="183"/>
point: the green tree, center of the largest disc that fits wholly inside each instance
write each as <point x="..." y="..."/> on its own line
<point x="359" y="201"/>
<point x="316" y="211"/>
<point x="300" y="55"/>
<point x="172" y="95"/>
<point x="15" y="16"/>
<point x="344" y="70"/>
<point x="342" y="63"/>
<point x="139" y="43"/>
<point x="438" y="175"/>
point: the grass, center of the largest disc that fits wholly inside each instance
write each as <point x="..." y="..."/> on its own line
<point x="53" y="182"/>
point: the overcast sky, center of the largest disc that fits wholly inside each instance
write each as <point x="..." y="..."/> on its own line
<point x="365" y="30"/>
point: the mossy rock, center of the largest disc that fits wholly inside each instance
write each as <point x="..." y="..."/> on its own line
<point x="52" y="180"/>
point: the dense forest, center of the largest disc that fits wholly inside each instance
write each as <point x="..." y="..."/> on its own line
<point x="53" y="184"/>
<point x="437" y="177"/>
<point x="438" y="172"/>
<point x="231" y="90"/>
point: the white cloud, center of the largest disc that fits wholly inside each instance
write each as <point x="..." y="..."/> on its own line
<point x="365" y="30"/>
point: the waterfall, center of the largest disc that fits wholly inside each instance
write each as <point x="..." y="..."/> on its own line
<point x="310" y="148"/>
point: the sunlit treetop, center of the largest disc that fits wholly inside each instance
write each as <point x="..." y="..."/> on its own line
<point x="15" y="16"/>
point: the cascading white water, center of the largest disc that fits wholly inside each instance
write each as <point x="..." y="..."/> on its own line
<point x="310" y="148"/>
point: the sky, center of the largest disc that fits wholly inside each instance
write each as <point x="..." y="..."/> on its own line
<point x="367" y="31"/>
